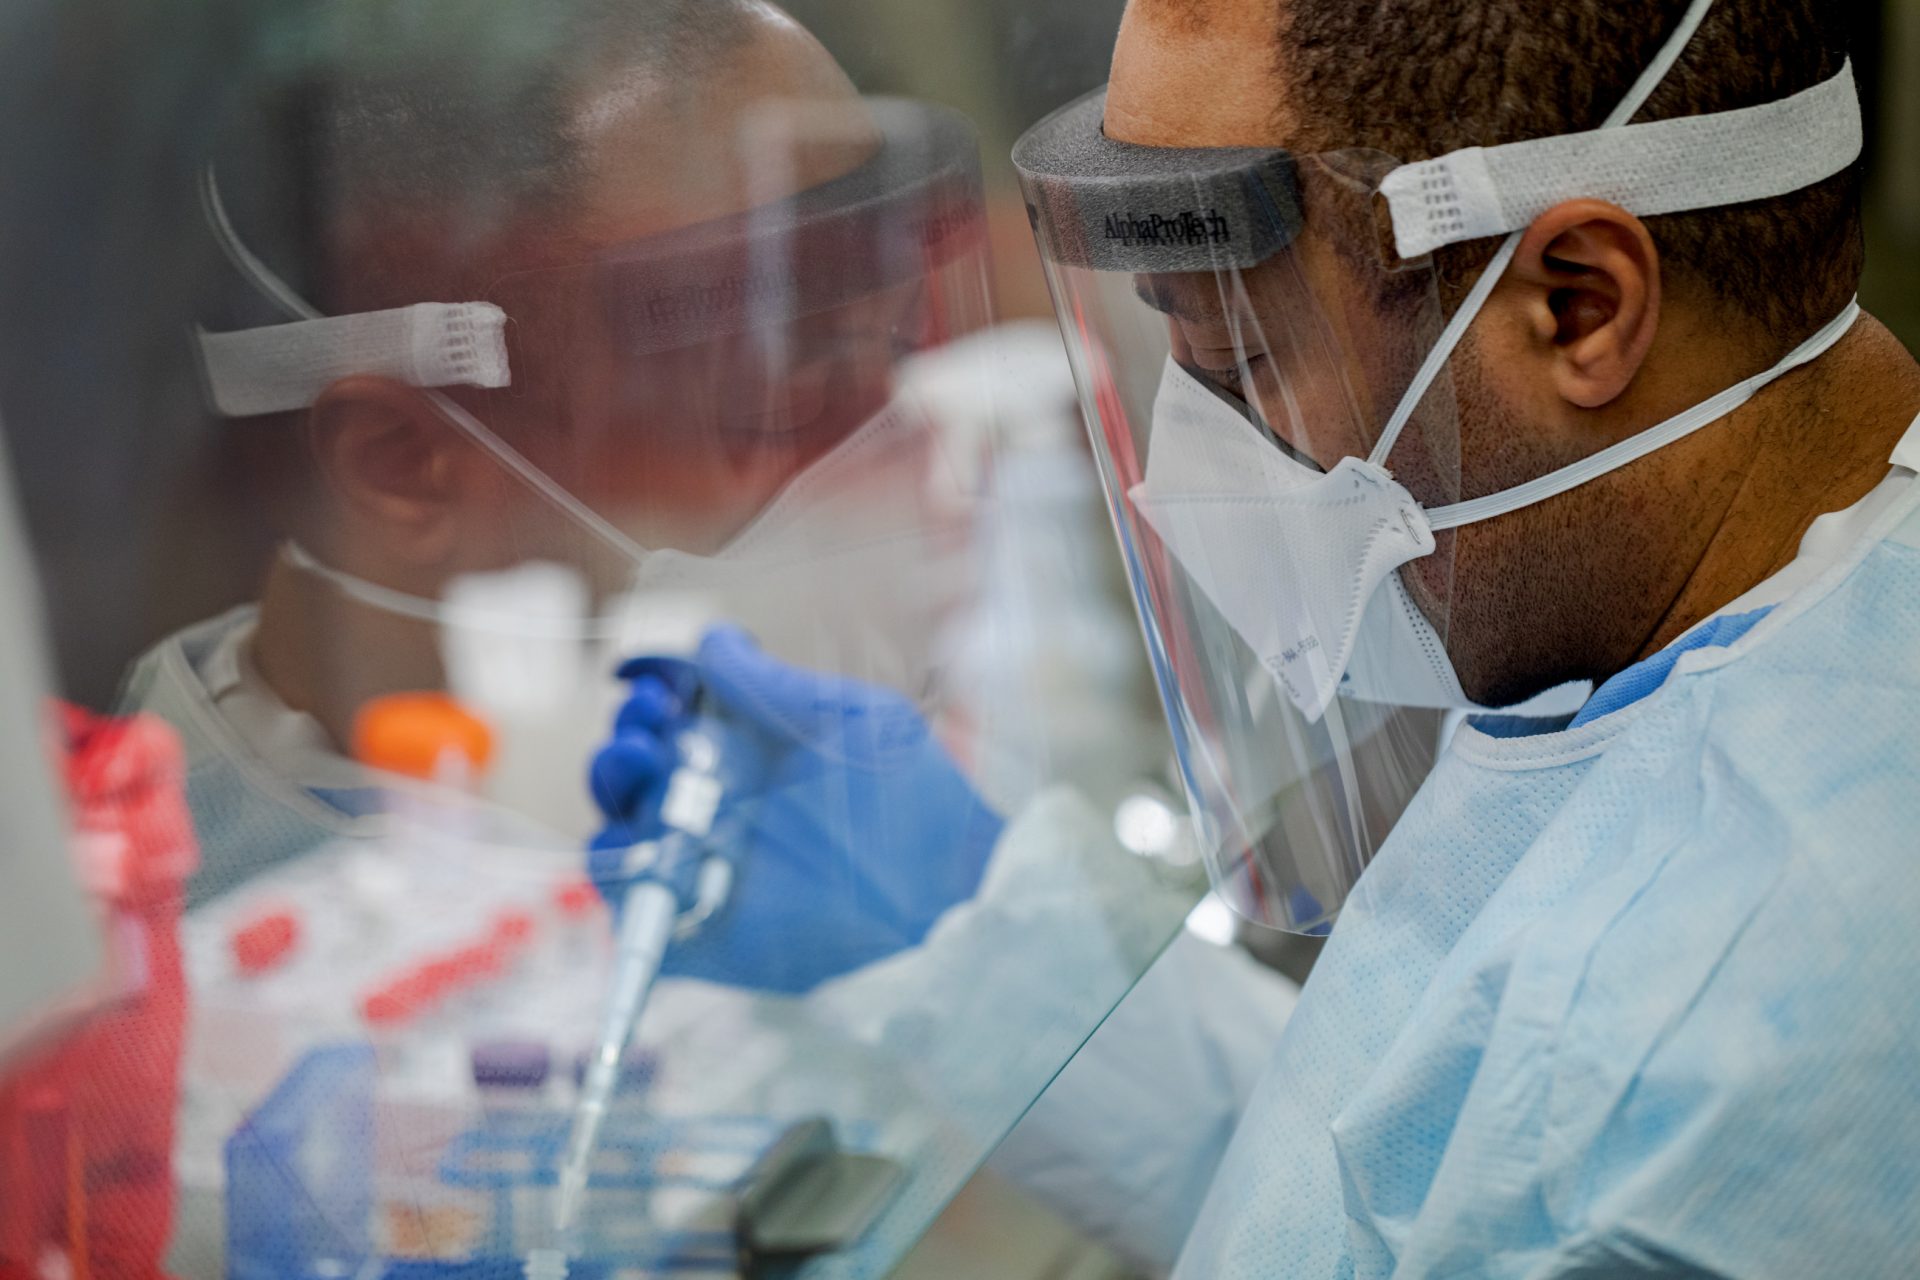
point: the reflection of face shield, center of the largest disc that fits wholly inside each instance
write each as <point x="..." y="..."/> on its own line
<point x="696" y="372"/>
<point x="1261" y="350"/>
<point x="858" y="564"/>
<point x="704" y="423"/>
<point x="660" y="391"/>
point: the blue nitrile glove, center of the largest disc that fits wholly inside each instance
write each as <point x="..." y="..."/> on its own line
<point x="862" y="834"/>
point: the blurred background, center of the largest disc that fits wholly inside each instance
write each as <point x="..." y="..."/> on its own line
<point x="108" y="104"/>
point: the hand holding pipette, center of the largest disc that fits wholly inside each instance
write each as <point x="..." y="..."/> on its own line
<point x="859" y="831"/>
<point x="768" y="827"/>
<point x="678" y="869"/>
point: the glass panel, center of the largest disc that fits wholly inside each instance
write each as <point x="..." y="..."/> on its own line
<point x="398" y="375"/>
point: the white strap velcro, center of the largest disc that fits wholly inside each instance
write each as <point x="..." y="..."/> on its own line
<point x="286" y="366"/>
<point x="1663" y="166"/>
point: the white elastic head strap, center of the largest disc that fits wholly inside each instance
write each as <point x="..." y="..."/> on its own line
<point x="1664" y="166"/>
<point x="502" y="622"/>
<point x="285" y="367"/>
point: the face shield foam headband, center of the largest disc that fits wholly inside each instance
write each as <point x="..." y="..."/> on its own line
<point x="1329" y="615"/>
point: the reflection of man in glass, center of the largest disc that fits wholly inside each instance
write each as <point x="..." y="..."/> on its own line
<point x="560" y="163"/>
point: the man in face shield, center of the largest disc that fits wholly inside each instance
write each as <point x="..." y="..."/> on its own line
<point x="1504" y="358"/>
<point x="575" y="290"/>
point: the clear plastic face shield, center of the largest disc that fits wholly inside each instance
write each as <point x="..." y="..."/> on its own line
<point x="609" y="443"/>
<point x="1264" y="359"/>
<point x="1238" y="332"/>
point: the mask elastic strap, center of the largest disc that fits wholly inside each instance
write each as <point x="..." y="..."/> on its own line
<point x="1641" y="444"/>
<point x="272" y="287"/>
<point x="1442" y="351"/>
<point x="423" y="609"/>
<point x="1456" y="329"/>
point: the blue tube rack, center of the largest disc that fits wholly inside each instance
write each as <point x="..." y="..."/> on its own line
<point x="302" y="1197"/>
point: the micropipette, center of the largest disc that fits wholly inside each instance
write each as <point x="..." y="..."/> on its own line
<point x="688" y="869"/>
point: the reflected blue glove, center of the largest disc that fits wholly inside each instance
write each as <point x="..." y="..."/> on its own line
<point x="860" y="836"/>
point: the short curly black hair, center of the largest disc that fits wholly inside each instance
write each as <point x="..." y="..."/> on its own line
<point x="1419" y="78"/>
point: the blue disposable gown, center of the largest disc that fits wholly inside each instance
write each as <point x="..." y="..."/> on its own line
<point x="1641" y="997"/>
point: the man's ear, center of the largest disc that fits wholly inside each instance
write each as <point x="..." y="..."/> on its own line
<point x="1591" y="276"/>
<point x="393" y="464"/>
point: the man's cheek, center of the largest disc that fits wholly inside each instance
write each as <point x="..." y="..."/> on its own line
<point x="1310" y="410"/>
